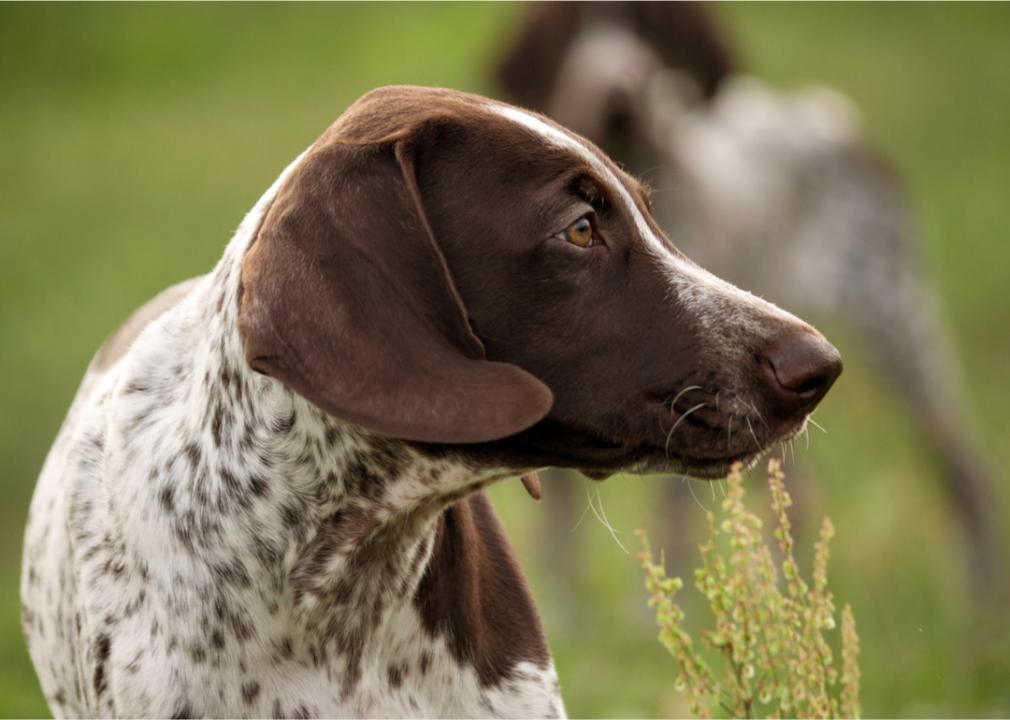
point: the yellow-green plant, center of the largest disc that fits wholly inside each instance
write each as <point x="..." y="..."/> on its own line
<point x="772" y="628"/>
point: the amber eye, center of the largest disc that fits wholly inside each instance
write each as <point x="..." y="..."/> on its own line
<point x="580" y="233"/>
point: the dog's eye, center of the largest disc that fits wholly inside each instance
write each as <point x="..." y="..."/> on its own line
<point x="580" y="233"/>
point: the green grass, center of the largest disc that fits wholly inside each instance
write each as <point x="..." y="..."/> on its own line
<point x="133" y="138"/>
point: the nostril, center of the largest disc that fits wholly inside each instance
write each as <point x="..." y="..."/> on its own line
<point x="802" y="366"/>
<point x="809" y="387"/>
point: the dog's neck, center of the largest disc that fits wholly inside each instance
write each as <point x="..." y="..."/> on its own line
<point x="314" y="543"/>
<point x="354" y="467"/>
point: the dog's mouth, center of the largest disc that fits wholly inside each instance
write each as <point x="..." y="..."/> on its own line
<point x="673" y="434"/>
<point x="662" y="438"/>
<point x="599" y="456"/>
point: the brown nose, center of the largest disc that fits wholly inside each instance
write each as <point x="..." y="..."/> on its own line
<point x="800" y="367"/>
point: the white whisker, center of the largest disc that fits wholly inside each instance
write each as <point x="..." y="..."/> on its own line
<point x="602" y="517"/>
<point x="583" y="515"/>
<point x="750" y="427"/>
<point x="757" y="413"/>
<point x="690" y="487"/>
<point x="677" y="397"/>
<point x="669" y="435"/>
<point x="810" y="419"/>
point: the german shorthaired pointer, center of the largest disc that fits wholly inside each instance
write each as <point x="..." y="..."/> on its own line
<point x="266" y="499"/>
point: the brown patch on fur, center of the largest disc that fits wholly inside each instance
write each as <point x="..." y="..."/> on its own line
<point x="102" y="649"/>
<point x="475" y="594"/>
<point x="250" y="691"/>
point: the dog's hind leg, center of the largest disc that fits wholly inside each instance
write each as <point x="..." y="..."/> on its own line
<point x="901" y="320"/>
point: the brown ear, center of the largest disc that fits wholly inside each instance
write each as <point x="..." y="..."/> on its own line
<point x="528" y="68"/>
<point x="348" y="301"/>
<point x="688" y="36"/>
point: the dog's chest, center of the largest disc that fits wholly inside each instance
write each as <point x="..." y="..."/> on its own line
<point x="405" y="673"/>
<point x="184" y="579"/>
<point x="163" y="637"/>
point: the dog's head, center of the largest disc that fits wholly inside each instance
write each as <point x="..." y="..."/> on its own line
<point x="441" y="268"/>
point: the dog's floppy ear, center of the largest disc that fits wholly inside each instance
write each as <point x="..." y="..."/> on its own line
<point x="347" y="299"/>
<point x="687" y="36"/>
<point x="528" y="68"/>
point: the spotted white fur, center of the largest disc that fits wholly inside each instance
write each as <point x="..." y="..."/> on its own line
<point x="193" y="522"/>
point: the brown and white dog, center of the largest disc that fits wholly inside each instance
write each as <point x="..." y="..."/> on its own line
<point x="266" y="498"/>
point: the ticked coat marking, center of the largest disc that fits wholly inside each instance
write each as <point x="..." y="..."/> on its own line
<point x="242" y="502"/>
<point x="205" y="540"/>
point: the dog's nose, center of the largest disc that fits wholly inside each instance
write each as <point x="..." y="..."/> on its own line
<point x="800" y="367"/>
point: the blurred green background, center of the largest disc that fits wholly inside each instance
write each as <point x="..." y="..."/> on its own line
<point x="133" y="139"/>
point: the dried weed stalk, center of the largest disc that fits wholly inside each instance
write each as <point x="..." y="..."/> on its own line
<point x="771" y="627"/>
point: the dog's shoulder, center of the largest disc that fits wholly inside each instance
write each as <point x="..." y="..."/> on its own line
<point x="120" y="341"/>
<point x="71" y="542"/>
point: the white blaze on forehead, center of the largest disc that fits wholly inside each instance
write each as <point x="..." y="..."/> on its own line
<point x="560" y="139"/>
<point x="697" y="285"/>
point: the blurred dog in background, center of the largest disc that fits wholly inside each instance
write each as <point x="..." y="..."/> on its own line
<point x="776" y="191"/>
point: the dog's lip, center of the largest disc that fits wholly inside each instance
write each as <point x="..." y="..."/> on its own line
<point x="713" y="468"/>
<point x="719" y="467"/>
<point x="607" y="456"/>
